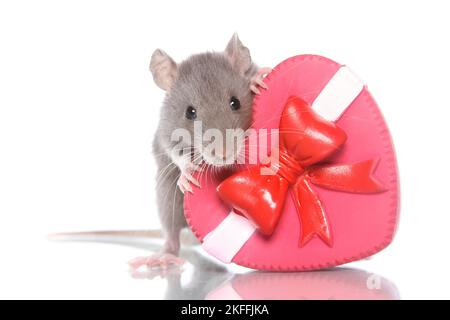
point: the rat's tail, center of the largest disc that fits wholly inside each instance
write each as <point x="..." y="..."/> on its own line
<point x="85" y="235"/>
<point x="186" y="237"/>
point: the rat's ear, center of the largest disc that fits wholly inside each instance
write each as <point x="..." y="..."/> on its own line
<point x="163" y="69"/>
<point x="238" y="54"/>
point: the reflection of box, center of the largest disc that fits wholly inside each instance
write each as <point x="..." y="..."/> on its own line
<point x="361" y="224"/>
<point x="336" y="284"/>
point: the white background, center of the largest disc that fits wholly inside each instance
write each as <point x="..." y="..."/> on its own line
<point x="78" y="109"/>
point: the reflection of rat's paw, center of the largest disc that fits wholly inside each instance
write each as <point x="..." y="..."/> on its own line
<point x="186" y="178"/>
<point x="150" y="274"/>
<point x="257" y="80"/>
<point x="159" y="260"/>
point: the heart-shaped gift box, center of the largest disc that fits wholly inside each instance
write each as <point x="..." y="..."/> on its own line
<point x="334" y="198"/>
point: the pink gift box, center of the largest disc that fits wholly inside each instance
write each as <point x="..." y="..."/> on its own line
<point x="361" y="224"/>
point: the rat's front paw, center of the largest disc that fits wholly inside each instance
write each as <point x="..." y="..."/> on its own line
<point x="257" y="80"/>
<point x="186" y="178"/>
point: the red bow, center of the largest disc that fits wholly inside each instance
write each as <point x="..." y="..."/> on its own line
<point x="305" y="140"/>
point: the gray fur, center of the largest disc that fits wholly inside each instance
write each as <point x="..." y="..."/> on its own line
<point x="206" y="81"/>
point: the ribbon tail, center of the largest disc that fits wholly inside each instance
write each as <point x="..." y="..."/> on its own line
<point x="311" y="213"/>
<point x="356" y="177"/>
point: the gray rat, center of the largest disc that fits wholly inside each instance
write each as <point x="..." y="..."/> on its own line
<point x="216" y="88"/>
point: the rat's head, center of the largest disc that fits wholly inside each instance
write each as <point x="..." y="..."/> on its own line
<point x="207" y="94"/>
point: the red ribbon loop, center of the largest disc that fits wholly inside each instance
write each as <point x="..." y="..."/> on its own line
<point x="306" y="139"/>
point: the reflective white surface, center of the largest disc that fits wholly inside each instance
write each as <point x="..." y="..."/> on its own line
<point x="93" y="270"/>
<point x="97" y="269"/>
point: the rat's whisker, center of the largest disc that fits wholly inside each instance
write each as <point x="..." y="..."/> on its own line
<point x="172" y="185"/>
<point x="164" y="172"/>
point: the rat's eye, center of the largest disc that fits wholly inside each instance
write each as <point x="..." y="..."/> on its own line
<point x="191" y="113"/>
<point x="235" y="104"/>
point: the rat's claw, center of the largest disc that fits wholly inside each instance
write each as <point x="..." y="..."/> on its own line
<point x="187" y="187"/>
<point x="254" y="89"/>
<point x="261" y="83"/>
<point x="185" y="180"/>
<point x="184" y="184"/>
<point x="182" y="189"/>
<point x="257" y="80"/>
<point x="190" y="178"/>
